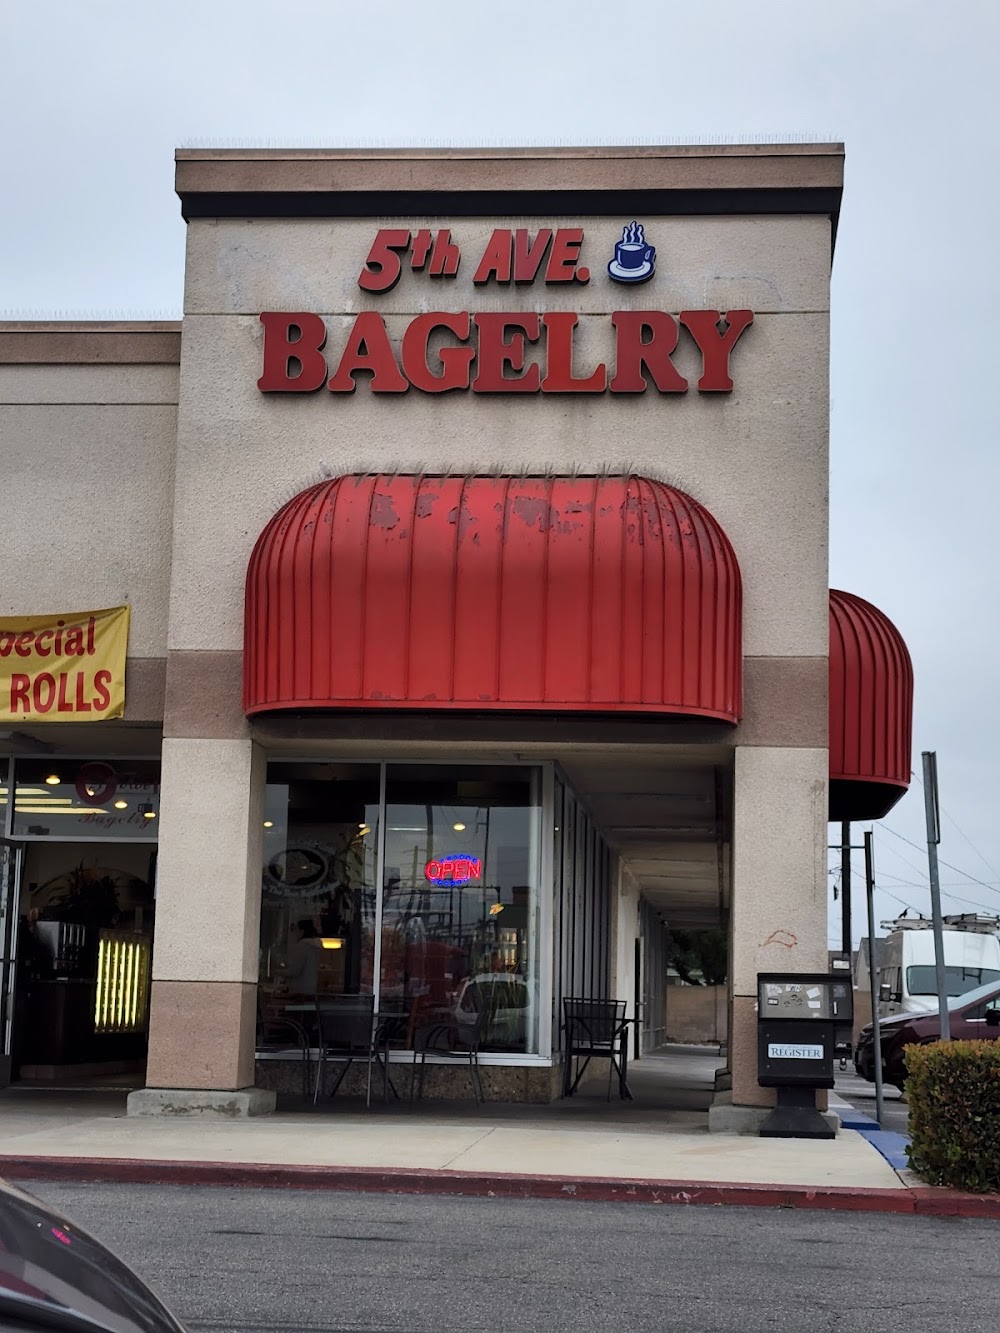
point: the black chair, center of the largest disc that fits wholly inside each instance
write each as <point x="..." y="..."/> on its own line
<point x="391" y="1030"/>
<point x="278" y="1033"/>
<point x="346" y="1033"/>
<point x="452" y="1039"/>
<point x="596" y="1028"/>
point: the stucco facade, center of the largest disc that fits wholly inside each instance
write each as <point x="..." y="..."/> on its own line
<point x="143" y="462"/>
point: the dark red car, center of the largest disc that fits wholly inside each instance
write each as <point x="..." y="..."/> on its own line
<point x="55" y="1276"/>
<point x="974" y="1016"/>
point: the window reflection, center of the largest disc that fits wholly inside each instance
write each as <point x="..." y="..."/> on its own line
<point x="458" y="915"/>
<point x="459" y="893"/>
<point x="319" y="879"/>
<point x="85" y="798"/>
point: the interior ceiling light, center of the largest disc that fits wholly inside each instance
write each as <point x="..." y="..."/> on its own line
<point x="53" y="779"/>
<point x="269" y="823"/>
<point x="121" y="805"/>
<point x="149" y="814"/>
<point x="459" y="828"/>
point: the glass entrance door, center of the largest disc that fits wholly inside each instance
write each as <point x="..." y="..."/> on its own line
<point x="10" y="884"/>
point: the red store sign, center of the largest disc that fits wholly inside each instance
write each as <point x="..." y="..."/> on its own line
<point x="487" y="351"/>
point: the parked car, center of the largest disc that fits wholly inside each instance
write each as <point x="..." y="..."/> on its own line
<point x="974" y="1016"/>
<point x="55" y="1276"/>
<point x="507" y="998"/>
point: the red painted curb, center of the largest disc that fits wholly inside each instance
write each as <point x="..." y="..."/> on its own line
<point x="937" y="1201"/>
<point x="404" y="1180"/>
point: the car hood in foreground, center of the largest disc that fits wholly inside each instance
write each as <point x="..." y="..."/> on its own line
<point x="54" y="1275"/>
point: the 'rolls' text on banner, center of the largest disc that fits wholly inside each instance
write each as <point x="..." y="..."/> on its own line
<point x="63" y="668"/>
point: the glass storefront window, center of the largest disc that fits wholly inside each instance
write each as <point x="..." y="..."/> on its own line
<point x="318" y="902"/>
<point x="460" y="904"/>
<point x="458" y="896"/>
<point x="106" y="800"/>
<point x="583" y="897"/>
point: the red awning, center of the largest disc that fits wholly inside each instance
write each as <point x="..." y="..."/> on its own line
<point x="871" y="710"/>
<point x="592" y="594"/>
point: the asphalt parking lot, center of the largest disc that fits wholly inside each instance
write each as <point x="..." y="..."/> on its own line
<point x="861" y="1095"/>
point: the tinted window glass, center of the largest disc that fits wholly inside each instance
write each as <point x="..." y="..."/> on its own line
<point x="86" y="798"/>
<point x="922" y="979"/>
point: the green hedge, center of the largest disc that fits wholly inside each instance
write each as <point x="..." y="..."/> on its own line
<point x="953" y="1088"/>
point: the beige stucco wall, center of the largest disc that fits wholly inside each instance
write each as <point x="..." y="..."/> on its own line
<point x="208" y="870"/>
<point x="757" y="457"/>
<point x="697" y="1014"/>
<point x="624" y="932"/>
<point x="779" y="893"/>
<point x="87" y="458"/>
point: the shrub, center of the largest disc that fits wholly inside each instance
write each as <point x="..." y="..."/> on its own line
<point x="953" y="1088"/>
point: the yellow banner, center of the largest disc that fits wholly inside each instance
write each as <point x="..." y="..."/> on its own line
<point x="66" y="668"/>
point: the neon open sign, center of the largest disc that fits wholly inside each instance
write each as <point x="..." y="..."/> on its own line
<point x="454" y="869"/>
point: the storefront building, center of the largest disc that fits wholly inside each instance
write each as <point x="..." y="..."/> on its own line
<point x="472" y="528"/>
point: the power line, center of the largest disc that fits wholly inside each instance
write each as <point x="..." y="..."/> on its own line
<point x="881" y="889"/>
<point x="991" y="868"/>
<point x="923" y="883"/>
<point x="905" y="860"/>
<point x="957" y="869"/>
<point x="955" y="897"/>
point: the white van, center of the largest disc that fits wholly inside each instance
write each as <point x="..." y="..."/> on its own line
<point x="907" y="976"/>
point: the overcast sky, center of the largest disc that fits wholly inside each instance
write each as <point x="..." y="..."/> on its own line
<point x="97" y="95"/>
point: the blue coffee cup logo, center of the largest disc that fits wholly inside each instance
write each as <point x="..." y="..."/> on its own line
<point x="634" y="260"/>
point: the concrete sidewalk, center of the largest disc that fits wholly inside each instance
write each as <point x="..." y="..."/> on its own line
<point x="479" y="1142"/>
<point x="655" y="1149"/>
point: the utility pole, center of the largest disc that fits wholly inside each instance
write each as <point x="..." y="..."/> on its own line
<point x="845" y="888"/>
<point x="932" y="811"/>
<point x="873" y="976"/>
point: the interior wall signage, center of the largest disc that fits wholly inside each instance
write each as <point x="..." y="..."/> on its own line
<point x="487" y="351"/>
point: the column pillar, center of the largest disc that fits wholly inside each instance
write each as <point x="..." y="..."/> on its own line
<point x="779" y="899"/>
<point x="206" y="945"/>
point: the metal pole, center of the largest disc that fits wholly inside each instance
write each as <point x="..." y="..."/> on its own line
<point x="379" y="890"/>
<point x="873" y="976"/>
<point x="933" y="838"/>
<point x="845" y="887"/>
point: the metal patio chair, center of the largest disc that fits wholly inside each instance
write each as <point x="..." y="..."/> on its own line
<point x="596" y="1028"/>
<point x="278" y="1032"/>
<point x="346" y="1033"/>
<point x="446" y="1040"/>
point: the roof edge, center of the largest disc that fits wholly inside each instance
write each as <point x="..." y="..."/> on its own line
<point x="548" y="153"/>
<point x="90" y="342"/>
<point x="711" y="179"/>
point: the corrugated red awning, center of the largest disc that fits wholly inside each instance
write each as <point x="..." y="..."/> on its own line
<point x="473" y="592"/>
<point x="871" y="710"/>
